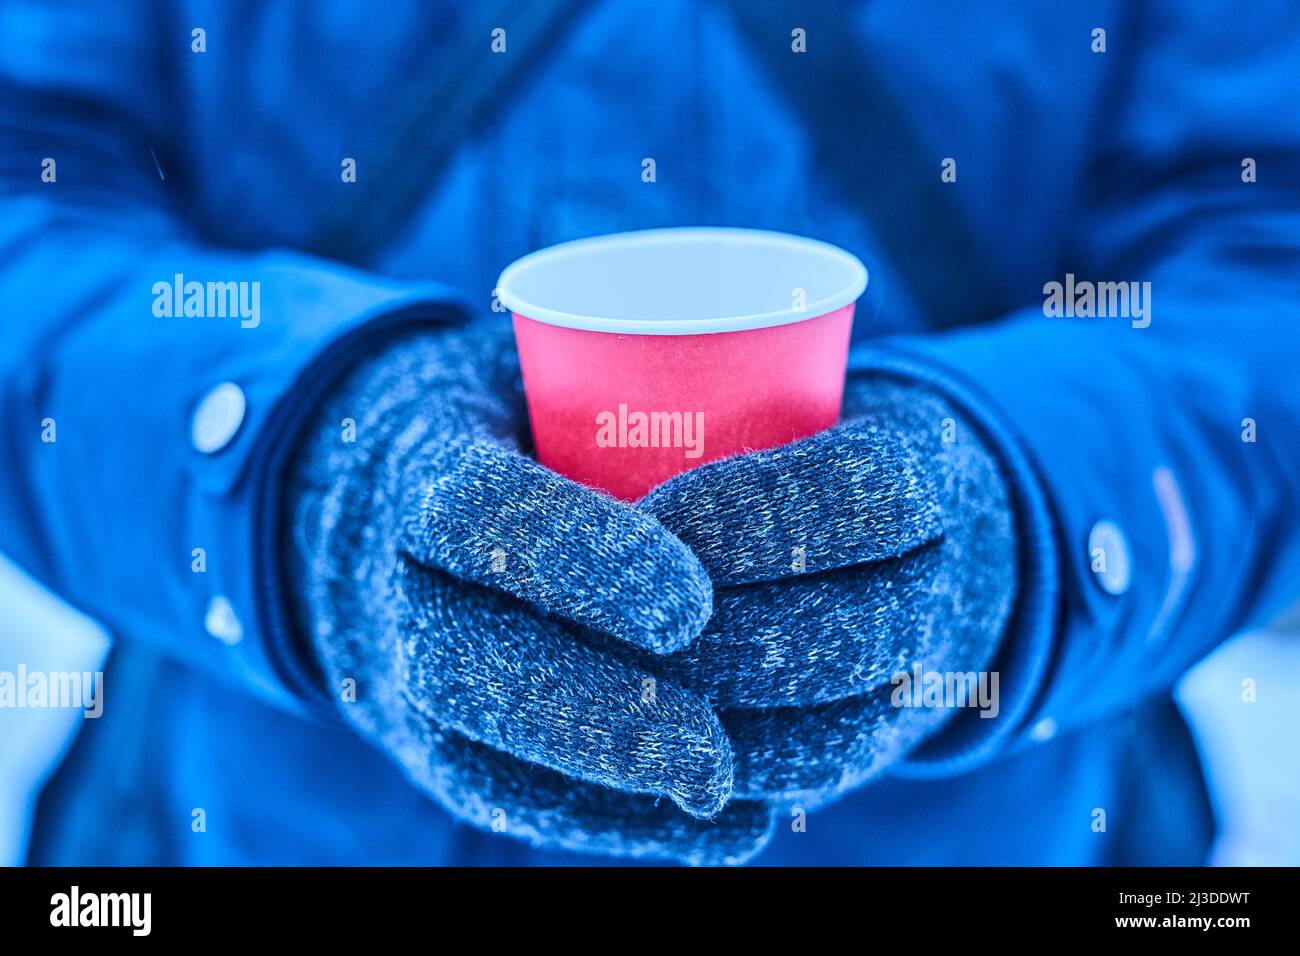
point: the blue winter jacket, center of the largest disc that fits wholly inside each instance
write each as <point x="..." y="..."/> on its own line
<point x="971" y="154"/>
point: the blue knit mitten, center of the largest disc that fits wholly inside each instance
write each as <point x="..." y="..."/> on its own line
<point x="497" y="619"/>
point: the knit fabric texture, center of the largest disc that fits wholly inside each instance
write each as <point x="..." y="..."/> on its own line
<point x="648" y="680"/>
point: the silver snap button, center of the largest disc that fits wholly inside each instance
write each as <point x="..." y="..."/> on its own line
<point x="217" y="418"/>
<point x="1043" y="731"/>
<point x="1109" y="557"/>
<point x="222" y="622"/>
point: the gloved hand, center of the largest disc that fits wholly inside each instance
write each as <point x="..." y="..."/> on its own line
<point x="495" y="617"/>
<point x="839" y="561"/>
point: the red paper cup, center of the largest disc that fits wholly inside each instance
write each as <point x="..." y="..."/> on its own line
<point x="645" y="354"/>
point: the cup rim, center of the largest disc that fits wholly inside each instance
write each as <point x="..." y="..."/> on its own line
<point x="855" y="282"/>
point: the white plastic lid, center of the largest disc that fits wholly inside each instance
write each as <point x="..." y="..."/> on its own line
<point x="682" y="281"/>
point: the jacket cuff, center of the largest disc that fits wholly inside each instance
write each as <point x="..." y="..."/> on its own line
<point x="242" y="489"/>
<point x="1024" y="657"/>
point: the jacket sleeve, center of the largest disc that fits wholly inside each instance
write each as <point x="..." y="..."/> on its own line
<point x="1155" y="466"/>
<point x="141" y="449"/>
